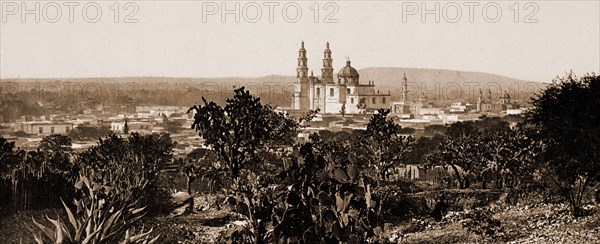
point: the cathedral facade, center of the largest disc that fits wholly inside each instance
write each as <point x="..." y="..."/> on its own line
<point x="342" y="94"/>
<point x="487" y="105"/>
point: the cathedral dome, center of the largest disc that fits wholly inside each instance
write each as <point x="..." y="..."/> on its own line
<point x="348" y="74"/>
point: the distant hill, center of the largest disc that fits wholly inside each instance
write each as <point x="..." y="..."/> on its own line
<point x="441" y="82"/>
<point x="436" y="83"/>
<point x="161" y="80"/>
<point x="384" y="77"/>
<point x="391" y="77"/>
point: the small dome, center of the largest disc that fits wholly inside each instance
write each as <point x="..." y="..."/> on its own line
<point x="348" y="74"/>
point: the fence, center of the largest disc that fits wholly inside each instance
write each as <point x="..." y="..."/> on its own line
<point x="27" y="191"/>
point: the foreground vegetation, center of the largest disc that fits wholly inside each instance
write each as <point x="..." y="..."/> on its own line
<point x="337" y="187"/>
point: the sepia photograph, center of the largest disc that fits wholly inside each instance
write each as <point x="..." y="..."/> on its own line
<point x="299" y="121"/>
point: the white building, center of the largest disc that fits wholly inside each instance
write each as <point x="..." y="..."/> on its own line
<point x="43" y="127"/>
<point x="332" y="97"/>
<point x="458" y="107"/>
<point x="514" y="111"/>
<point x="133" y="126"/>
<point x="430" y="111"/>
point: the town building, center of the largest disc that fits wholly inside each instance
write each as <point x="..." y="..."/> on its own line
<point x="344" y="95"/>
<point x="133" y="126"/>
<point x="487" y="105"/>
<point x="506" y="103"/>
<point x="422" y="103"/>
<point x="406" y="107"/>
<point x="118" y="108"/>
<point x="159" y="110"/>
<point x="458" y="107"/>
<point x="43" y="127"/>
<point x="483" y="104"/>
<point x="402" y="106"/>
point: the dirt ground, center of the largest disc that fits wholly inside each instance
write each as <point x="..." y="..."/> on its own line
<point x="542" y="223"/>
<point x="17" y="227"/>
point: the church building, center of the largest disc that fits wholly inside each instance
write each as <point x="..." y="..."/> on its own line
<point x="403" y="106"/>
<point x="487" y="105"/>
<point x="334" y="95"/>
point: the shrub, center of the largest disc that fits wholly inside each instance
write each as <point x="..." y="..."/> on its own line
<point x="115" y="179"/>
<point x="481" y="222"/>
<point x="117" y="158"/>
<point x="315" y="201"/>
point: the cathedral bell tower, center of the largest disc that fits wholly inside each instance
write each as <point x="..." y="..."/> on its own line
<point x="404" y="96"/>
<point x="327" y="70"/>
<point x="300" y="99"/>
<point x="302" y="71"/>
<point x="479" y="100"/>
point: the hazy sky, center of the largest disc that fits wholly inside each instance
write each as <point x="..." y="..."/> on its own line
<point x="172" y="39"/>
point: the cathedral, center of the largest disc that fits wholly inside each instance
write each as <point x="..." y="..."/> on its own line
<point x="334" y="95"/>
<point x="487" y="105"/>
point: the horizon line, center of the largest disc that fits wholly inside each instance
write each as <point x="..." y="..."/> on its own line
<point x="255" y="77"/>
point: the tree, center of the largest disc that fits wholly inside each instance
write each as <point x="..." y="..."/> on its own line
<point x="242" y="128"/>
<point x="88" y="132"/>
<point x="340" y="135"/>
<point x="460" y="129"/>
<point x="58" y="150"/>
<point x="498" y="148"/>
<point x="433" y="130"/>
<point x="423" y="146"/>
<point x="144" y="154"/>
<point x="472" y="150"/>
<point x="132" y="164"/>
<point x="172" y="126"/>
<point x="343" y="109"/>
<point x="198" y="163"/>
<point x="567" y="120"/>
<point x="126" y="128"/>
<point x="496" y="153"/>
<point x="56" y="143"/>
<point x="523" y="161"/>
<point x="407" y="130"/>
<point x="240" y="133"/>
<point x="384" y="143"/>
<point x="491" y="124"/>
<point x="459" y="154"/>
<point x="9" y="157"/>
<point x="154" y="151"/>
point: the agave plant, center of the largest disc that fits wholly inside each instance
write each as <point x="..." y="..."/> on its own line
<point x="102" y="216"/>
<point x="61" y="233"/>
